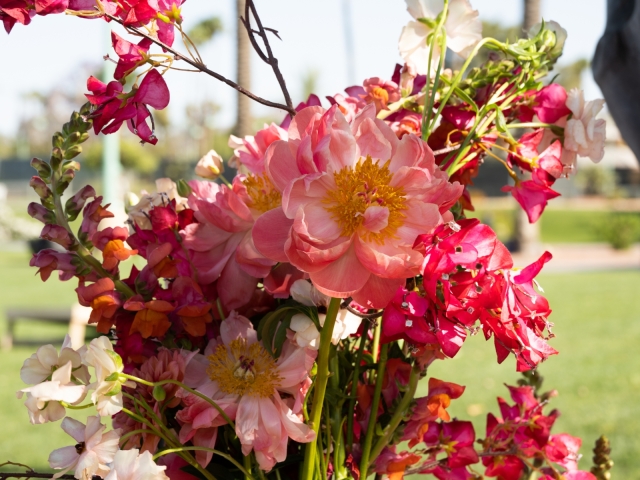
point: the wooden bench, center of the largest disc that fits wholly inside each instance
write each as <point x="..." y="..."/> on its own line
<point x="76" y="317"/>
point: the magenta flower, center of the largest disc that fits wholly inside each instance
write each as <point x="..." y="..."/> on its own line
<point x="114" y="107"/>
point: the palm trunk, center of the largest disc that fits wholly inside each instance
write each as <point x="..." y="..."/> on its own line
<point x="528" y="234"/>
<point x="243" y="120"/>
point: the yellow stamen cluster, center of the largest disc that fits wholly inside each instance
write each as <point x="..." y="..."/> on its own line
<point x="263" y="194"/>
<point x="380" y="94"/>
<point x="242" y="369"/>
<point x="359" y="188"/>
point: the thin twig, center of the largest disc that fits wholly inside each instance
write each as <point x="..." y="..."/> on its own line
<point x="364" y="315"/>
<point x="32" y="474"/>
<point x="268" y="58"/>
<point x="200" y="66"/>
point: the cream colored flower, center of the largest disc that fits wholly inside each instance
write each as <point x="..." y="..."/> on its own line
<point x="462" y="26"/>
<point x="210" y="166"/>
<point x="584" y="134"/>
<point x="131" y="465"/>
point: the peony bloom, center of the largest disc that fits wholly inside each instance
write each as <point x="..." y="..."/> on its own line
<point x="247" y="383"/>
<point x="129" y="465"/>
<point x="584" y="134"/>
<point x="354" y="199"/>
<point x="107" y="395"/>
<point x="91" y="454"/>
<point x="249" y="151"/>
<point x="463" y="29"/>
<point x="210" y="166"/>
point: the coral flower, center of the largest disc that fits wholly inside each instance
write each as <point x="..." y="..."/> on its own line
<point x="264" y="394"/>
<point x="354" y="199"/>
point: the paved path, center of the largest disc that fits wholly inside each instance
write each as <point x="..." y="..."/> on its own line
<point x="581" y="257"/>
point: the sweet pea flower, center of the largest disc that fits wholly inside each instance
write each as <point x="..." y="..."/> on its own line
<point x="394" y="464"/>
<point x="92" y="453"/>
<point x="107" y="394"/>
<point x="248" y="383"/>
<point x="210" y="166"/>
<point x="166" y="191"/>
<point x="307" y="335"/>
<point x="584" y="134"/>
<point x="463" y="29"/>
<point x="39" y="366"/>
<point x="354" y="199"/>
<point x="48" y="260"/>
<point x="132" y="465"/>
<point x="44" y="399"/>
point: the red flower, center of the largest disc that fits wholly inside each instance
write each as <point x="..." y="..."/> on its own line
<point x="532" y="197"/>
<point x="104" y="301"/>
<point x="130" y="55"/>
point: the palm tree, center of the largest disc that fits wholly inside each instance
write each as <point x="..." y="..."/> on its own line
<point x="243" y="119"/>
<point x="528" y="234"/>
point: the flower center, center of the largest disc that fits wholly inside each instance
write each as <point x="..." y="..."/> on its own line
<point x="263" y="194"/>
<point x="362" y="187"/>
<point x="242" y="369"/>
<point x="379" y="93"/>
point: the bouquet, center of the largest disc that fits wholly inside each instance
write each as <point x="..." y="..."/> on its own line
<point x="276" y="324"/>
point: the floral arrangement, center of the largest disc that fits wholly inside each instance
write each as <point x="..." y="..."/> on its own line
<point x="276" y="325"/>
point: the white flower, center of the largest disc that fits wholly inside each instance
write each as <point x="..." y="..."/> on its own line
<point x="303" y="291"/>
<point x="210" y="166"/>
<point x="167" y="190"/>
<point x="462" y="26"/>
<point x="307" y="335"/>
<point x="584" y="134"/>
<point x="40" y="365"/>
<point x="130" y="465"/>
<point x="43" y="399"/>
<point x="92" y="452"/>
<point x="107" y="395"/>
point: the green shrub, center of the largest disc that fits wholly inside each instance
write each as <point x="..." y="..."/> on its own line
<point x="620" y="230"/>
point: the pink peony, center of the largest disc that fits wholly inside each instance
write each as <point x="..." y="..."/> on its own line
<point x="238" y="373"/>
<point x="354" y="199"/>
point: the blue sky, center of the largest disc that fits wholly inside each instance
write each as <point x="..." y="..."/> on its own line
<point x="47" y="52"/>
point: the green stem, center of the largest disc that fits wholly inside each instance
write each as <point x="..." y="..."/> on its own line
<point x="373" y="416"/>
<point x="205" y="449"/>
<point x="354" y="387"/>
<point x="246" y="459"/>
<point x="127" y="435"/>
<point x="375" y="348"/>
<point x="184" y="387"/>
<point x="530" y="125"/>
<point x="398" y="415"/>
<point x="440" y="38"/>
<point x="320" y="387"/>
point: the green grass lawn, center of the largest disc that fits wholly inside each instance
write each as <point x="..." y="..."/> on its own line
<point x="597" y="373"/>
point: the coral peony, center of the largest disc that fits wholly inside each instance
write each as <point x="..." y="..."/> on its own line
<point x="354" y="199"/>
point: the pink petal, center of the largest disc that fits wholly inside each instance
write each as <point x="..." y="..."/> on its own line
<point x="342" y="277"/>
<point x="270" y="233"/>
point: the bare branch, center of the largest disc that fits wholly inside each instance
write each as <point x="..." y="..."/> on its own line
<point x="29" y="473"/>
<point x="268" y="57"/>
<point x="202" y="67"/>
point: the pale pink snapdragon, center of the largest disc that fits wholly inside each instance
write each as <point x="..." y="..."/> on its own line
<point x="92" y="453"/>
<point x="210" y="166"/>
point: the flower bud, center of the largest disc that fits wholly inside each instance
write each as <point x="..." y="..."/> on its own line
<point x="42" y="167"/>
<point x="40" y="187"/>
<point x="57" y="234"/>
<point x="159" y="394"/>
<point x="407" y="76"/>
<point x="184" y="190"/>
<point x="37" y="211"/>
<point x="210" y="166"/>
<point x="72" y="152"/>
<point x="74" y="205"/>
